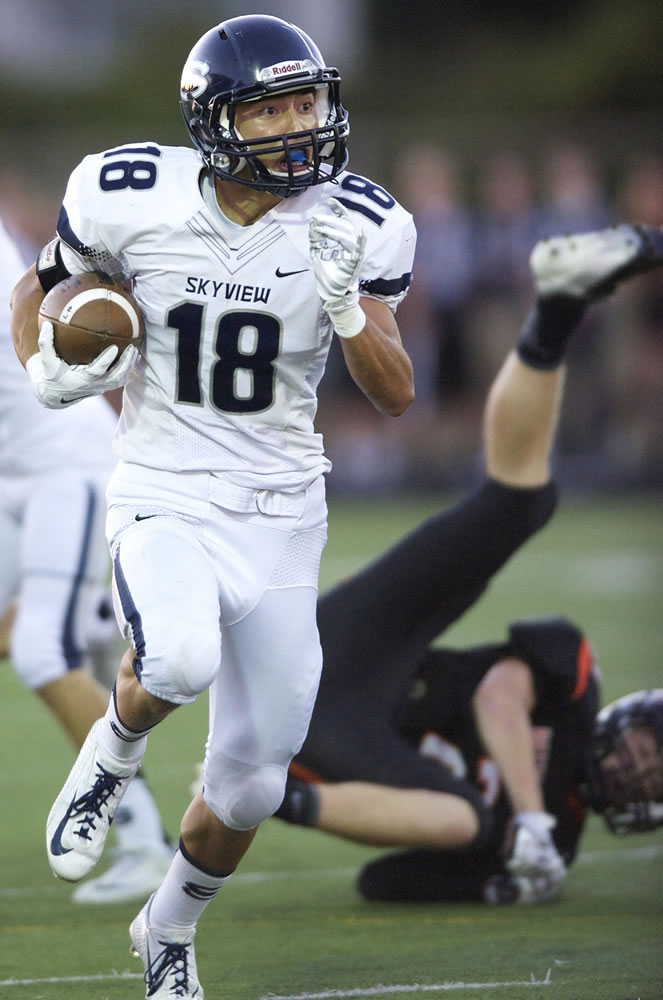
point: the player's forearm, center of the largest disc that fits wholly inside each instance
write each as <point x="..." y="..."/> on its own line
<point x="379" y="364"/>
<point x="26" y="299"/>
<point x="502" y="705"/>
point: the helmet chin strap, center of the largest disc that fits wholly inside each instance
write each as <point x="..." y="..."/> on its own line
<point x="264" y="182"/>
<point x="263" y="179"/>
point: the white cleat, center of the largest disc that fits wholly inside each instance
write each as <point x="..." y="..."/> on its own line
<point x="591" y="265"/>
<point x="79" y="821"/>
<point x="169" y="959"/>
<point x="134" y="875"/>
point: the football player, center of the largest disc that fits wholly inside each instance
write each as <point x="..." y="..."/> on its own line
<point x="246" y="254"/>
<point x="482" y="761"/>
<point x="53" y="473"/>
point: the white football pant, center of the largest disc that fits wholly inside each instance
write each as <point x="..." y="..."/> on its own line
<point x="223" y="598"/>
<point x="55" y="560"/>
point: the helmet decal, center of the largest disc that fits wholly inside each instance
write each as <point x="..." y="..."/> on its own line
<point x="194" y="78"/>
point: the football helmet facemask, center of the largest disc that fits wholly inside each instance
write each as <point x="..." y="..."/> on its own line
<point x="249" y="58"/>
<point x="626" y="767"/>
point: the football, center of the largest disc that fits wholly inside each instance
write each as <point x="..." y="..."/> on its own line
<point x="89" y="312"/>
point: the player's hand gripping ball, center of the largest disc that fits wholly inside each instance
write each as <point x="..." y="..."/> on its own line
<point x="89" y="313"/>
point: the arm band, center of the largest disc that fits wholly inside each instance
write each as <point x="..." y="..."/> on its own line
<point x="50" y="267"/>
<point x="300" y="804"/>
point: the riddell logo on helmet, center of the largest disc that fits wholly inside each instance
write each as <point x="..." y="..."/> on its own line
<point x="294" y="68"/>
<point x="287" y="68"/>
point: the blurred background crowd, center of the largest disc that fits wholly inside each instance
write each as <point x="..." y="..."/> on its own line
<point x="495" y="122"/>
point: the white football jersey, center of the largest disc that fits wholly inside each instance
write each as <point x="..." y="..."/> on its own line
<point x="32" y="438"/>
<point x="236" y="338"/>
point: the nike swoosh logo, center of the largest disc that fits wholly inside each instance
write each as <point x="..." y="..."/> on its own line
<point x="287" y="274"/>
<point x="145" y="517"/>
<point x="73" y="399"/>
<point x="56" y="843"/>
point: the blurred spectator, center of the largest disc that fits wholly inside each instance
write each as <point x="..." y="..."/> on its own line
<point x="507" y="227"/>
<point x="574" y="199"/>
<point x="636" y="346"/>
<point x="640" y="194"/>
<point x="429" y="182"/>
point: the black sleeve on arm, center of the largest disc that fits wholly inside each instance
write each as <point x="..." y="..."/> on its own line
<point x="301" y="803"/>
<point x="50" y="266"/>
<point x="559" y="656"/>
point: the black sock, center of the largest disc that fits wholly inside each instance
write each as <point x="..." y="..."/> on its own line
<point x="548" y="329"/>
<point x="300" y="804"/>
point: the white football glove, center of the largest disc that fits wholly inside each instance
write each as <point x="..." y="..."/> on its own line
<point x="337" y="251"/>
<point x="57" y="384"/>
<point x="534" y="869"/>
<point x="534" y="854"/>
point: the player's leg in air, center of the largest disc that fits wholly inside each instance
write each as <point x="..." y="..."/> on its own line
<point x="569" y="272"/>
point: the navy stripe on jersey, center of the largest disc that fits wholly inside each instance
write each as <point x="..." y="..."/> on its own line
<point x="66" y="233"/>
<point x="73" y="653"/>
<point x="131" y="613"/>
<point x="386" y="286"/>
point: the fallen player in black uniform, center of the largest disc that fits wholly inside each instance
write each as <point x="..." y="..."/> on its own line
<point x="482" y="761"/>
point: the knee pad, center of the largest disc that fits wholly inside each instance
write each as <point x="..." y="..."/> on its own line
<point x="173" y="662"/>
<point x="188" y="665"/>
<point x="177" y="643"/>
<point x="242" y="795"/>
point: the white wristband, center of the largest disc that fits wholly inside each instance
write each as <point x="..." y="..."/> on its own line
<point x="34" y="366"/>
<point x="348" y="321"/>
<point x="541" y="822"/>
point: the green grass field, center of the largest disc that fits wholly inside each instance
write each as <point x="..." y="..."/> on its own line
<point x="290" y="924"/>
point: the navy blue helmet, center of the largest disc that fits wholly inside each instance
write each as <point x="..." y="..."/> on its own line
<point x="252" y="57"/>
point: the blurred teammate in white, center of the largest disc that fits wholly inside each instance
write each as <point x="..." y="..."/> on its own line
<point x="53" y="473"/>
<point x="246" y="255"/>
